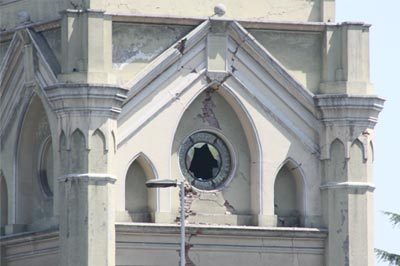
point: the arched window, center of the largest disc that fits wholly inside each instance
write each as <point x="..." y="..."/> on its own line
<point x="140" y="202"/>
<point x="78" y="152"/>
<point x="357" y="169"/>
<point x="98" y="152"/>
<point x="34" y="202"/>
<point x="215" y="149"/>
<point x="337" y="170"/>
<point x="289" y="196"/>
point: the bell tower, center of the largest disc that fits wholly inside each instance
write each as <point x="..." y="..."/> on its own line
<point x="264" y="109"/>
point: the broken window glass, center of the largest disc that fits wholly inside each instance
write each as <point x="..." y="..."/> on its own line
<point x="205" y="160"/>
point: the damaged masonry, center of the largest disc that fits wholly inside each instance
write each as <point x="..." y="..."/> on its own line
<point x="264" y="110"/>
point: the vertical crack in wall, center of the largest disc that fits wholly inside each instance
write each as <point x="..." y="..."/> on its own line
<point x="190" y="196"/>
<point x="189" y="262"/>
<point x="188" y="246"/>
<point x="229" y="208"/>
<point x="295" y="254"/>
<point x="208" y="116"/>
<point x="345" y="248"/>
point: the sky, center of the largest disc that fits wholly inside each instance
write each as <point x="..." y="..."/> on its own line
<point x="383" y="15"/>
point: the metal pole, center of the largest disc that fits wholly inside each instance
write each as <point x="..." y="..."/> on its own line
<point x="182" y="191"/>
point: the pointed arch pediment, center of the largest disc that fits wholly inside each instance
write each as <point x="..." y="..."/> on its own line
<point x="29" y="62"/>
<point x="140" y="203"/>
<point x="271" y="66"/>
<point x="34" y="162"/>
<point x="184" y="66"/>
<point x="238" y="37"/>
<point x="42" y="60"/>
<point x="290" y="193"/>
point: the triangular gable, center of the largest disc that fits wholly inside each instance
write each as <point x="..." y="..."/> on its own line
<point x="246" y="40"/>
<point x="24" y="66"/>
<point x="271" y="65"/>
<point x="11" y="60"/>
<point x="47" y="64"/>
<point x="166" y="59"/>
<point x="255" y="58"/>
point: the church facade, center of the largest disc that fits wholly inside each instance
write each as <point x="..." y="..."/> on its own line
<point x="265" y="109"/>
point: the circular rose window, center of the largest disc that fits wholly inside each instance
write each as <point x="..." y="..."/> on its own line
<point x="205" y="160"/>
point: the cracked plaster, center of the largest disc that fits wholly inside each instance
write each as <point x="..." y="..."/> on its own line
<point x="140" y="43"/>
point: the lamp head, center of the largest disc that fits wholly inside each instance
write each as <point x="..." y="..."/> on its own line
<point x="161" y="183"/>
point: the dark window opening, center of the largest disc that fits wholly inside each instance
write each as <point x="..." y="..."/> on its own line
<point x="204" y="164"/>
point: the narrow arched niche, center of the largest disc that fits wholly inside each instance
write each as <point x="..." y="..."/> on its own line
<point x="35" y="167"/>
<point x="371" y="154"/>
<point x="98" y="153"/>
<point x="78" y="152"/>
<point x="289" y="196"/>
<point x="337" y="165"/>
<point x="370" y="162"/>
<point x="4" y="202"/>
<point x="357" y="169"/>
<point x="230" y="202"/>
<point x="140" y="202"/>
<point x="64" y="162"/>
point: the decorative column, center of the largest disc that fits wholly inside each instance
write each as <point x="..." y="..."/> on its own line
<point x="87" y="123"/>
<point x="86" y="45"/>
<point x="347" y="188"/>
<point x="345" y="60"/>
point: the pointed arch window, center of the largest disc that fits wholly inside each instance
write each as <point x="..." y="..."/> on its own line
<point x="289" y="196"/>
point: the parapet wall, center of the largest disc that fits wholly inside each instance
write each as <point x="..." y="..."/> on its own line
<point x="16" y="12"/>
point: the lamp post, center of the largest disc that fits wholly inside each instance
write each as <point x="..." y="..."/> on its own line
<point x="164" y="183"/>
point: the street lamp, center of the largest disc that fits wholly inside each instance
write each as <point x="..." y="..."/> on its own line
<point x="164" y="183"/>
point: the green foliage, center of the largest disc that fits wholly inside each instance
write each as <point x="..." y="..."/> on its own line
<point x="393" y="259"/>
<point x="393" y="217"/>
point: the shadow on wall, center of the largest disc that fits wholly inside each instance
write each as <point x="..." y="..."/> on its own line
<point x="289" y="196"/>
<point x="139" y="201"/>
<point x="34" y="195"/>
<point x="3" y="203"/>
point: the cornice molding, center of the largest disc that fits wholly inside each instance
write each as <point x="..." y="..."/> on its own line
<point x="81" y="99"/>
<point x="344" y="109"/>
<point x="348" y="185"/>
<point x="88" y="177"/>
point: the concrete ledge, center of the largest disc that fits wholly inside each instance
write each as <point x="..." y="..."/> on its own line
<point x="158" y="244"/>
<point x="218" y="230"/>
<point x="88" y="177"/>
<point x="25" y="237"/>
<point x="348" y="185"/>
<point x="30" y="248"/>
<point x="345" y="109"/>
<point x="194" y="21"/>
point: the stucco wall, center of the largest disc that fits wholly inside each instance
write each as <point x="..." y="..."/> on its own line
<point x="279" y="10"/>
<point x="135" y="45"/>
<point x="140" y="244"/>
<point x="222" y="246"/>
<point x="303" y="10"/>
<point x="299" y="52"/>
<point x="3" y="49"/>
<point x="53" y="38"/>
